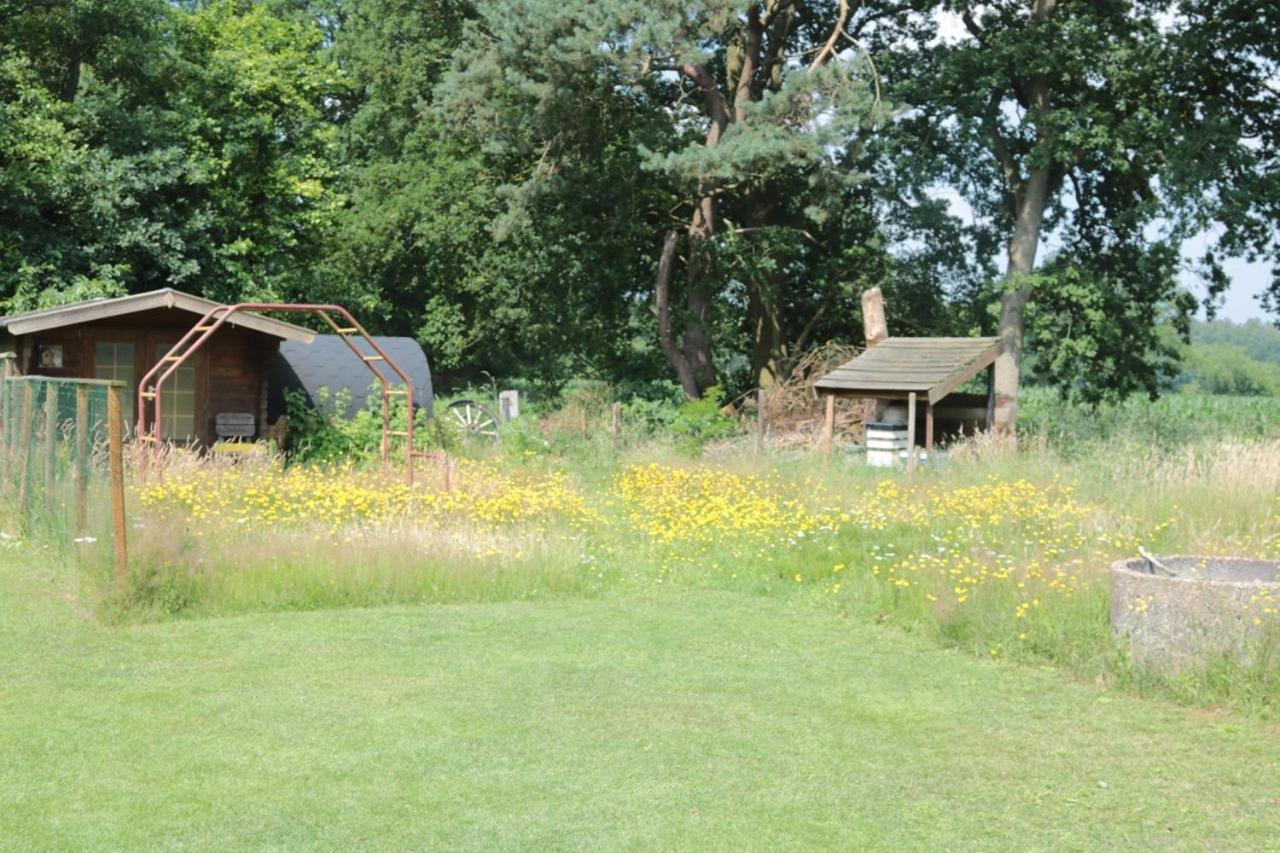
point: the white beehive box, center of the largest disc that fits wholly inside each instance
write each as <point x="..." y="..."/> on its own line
<point x="886" y="444"/>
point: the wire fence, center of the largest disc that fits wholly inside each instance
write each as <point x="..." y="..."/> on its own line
<point x="62" y="476"/>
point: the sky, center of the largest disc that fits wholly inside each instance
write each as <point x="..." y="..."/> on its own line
<point x="1247" y="281"/>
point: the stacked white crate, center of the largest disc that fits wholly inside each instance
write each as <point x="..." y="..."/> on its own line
<point x="886" y="444"/>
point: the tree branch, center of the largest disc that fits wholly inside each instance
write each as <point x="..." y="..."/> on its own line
<point x="714" y="98"/>
<point x="828" y="48"/>
<point x="750" y="63"/>
<point x="972" y="26"/>
<point x="999" y="146"/>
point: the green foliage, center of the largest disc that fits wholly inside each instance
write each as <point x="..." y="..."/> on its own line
<point x="1100" y="316"/>
<point x="1219" y="369"/>
<point x="698" y="422"/>
<point x="495" y="179"/>
<point x="1092" y="105"/>
<point x="323" y="434"/>
<point x="1175" y="420"/>
<point x="1257" y="339"/>
<point x="146" y="144"/>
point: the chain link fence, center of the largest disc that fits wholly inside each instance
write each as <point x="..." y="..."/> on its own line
<point x="62" y="477"/>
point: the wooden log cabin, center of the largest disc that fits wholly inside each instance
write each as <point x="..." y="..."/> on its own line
<point x="123" y="338"/>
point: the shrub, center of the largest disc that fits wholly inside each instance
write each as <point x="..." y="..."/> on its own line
<point x="698" y="422"/>
<point x="321" y="434"/>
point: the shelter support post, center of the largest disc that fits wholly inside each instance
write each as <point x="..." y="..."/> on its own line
<point x="991" y="396"/>
<point x="911" y="433"/>
<point x="928" y="432"/>
<point x="828" y="426"/>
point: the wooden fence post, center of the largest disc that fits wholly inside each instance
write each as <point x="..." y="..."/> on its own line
<point x="762" y="419"/>
<point x="615" y="423"/>
<point x="115" y="450"/>
<point x="911" y="433"/>
<point x="50" y="446"/>
<point x="24" y="436"/>
<point x="82" y="458"/>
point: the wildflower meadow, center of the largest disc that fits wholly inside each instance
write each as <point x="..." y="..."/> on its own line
<point x="1003" y="555"/>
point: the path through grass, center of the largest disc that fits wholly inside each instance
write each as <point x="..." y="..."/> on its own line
<point x="687" y="719"/>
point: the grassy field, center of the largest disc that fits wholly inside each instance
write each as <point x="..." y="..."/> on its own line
<point x="680" y="717"/>
<point x="1000" y="554"/>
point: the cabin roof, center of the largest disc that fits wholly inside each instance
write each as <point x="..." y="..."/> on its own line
<point x="895" y="367"/>
<point x="328" y="362"/>
<point x="102" y="309"/>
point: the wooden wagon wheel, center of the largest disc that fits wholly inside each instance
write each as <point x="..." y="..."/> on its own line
<point x="474" y="419"/>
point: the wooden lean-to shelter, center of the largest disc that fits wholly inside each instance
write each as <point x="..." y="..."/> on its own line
<point x="914" y="370"/>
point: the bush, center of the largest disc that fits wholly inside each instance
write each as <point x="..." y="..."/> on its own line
<point x="321" y="434"/>
<point x="698" y="422"/>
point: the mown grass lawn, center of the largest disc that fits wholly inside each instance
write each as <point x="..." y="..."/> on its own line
<point x="687" y="719"/>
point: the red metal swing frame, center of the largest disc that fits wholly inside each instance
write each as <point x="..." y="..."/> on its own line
<point x="152" y="384"/>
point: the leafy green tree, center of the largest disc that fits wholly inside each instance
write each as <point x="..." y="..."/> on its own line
<point x="1218" y="369"/>
<point x="430" y="244"/>
<point x="1259" y="340"/>
<point x="749" y="114"/>
<point x="166" y="146"/>
<point x="1221" y="72"/>
<point x="1109" y="132"/>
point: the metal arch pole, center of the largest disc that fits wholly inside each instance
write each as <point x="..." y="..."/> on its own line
<point x="386" y="387"/>
<point x="176" y="360"/>
<point x="193" y="340"/>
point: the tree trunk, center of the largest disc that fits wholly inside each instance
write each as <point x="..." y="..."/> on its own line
<point x="696" y="343"/>
<point x="1022" y="259"/>
<point x="666" y="334"/>
<point x="1030" y="200"/>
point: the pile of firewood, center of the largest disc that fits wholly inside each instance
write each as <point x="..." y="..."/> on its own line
<point x="794" y="410"/>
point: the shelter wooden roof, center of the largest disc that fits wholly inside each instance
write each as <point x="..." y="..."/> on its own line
<point x="895" y="367"/>
<point x="102" y="309"/>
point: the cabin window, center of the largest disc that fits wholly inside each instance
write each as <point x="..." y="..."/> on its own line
<point x="178" y="400"/>
<point x="114" y="360"/>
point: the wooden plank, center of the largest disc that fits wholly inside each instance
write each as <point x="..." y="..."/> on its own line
<point x="903" y="342"/>
<point x="869" y="393"/>
<point x="964" y="373"/>
<point x="991" y="397"/>
<point x="837" y="385"/>
<point x="928" y="433"/>
<point x="934" y="375"/>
